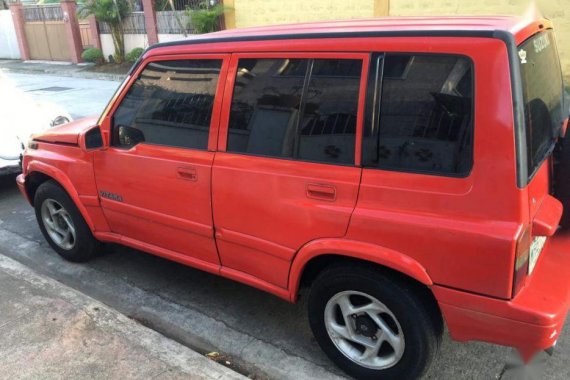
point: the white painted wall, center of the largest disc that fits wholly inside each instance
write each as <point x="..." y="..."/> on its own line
<point x="8" y="42"/>
<point x="135" y="40"/>
<point x="171" y="37"/>
<point x="131" y="41"/>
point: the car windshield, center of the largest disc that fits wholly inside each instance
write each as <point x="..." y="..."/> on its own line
<point x="543" y="96"/>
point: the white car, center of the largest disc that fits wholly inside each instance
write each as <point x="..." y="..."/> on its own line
<point x="21" y="116"/>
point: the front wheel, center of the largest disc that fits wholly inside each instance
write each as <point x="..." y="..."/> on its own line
<point x="62" y="225"/>
<point x="371" y="325"/>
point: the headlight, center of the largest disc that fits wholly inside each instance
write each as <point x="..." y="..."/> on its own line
<point x="59" y="121"/>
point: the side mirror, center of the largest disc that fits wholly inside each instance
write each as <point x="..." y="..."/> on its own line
<point x="93" y="139"/>
<point x="129" y="136"/>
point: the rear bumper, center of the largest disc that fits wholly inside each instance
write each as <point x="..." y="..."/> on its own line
<point x="21" y="182"/>
<point x="530" y="322"/>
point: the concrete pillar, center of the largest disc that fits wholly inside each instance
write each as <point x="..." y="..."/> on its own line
<point x="17" y="11"/>
<point x="150" y="22"/>
<point x="69" y="9"/>
<point x="229" y="16"/>
<point x="381" y="8"/>
<point x="94" y="31"/>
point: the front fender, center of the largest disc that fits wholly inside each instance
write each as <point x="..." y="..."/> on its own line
<point x="358" y="250"/>
<point x="60" y="177"/>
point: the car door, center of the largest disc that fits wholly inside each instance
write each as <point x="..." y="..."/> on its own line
<point x="154" y="178"/>
<point x="286" y="172"/>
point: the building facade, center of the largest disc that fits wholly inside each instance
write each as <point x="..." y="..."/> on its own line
<point x="246" y="13"/>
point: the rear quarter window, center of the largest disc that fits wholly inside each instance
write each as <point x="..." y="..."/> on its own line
<point x="425" y="121"/>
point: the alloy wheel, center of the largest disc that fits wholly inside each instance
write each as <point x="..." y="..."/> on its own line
<point x="58" y="224"/>
<point x="364" y="330"/>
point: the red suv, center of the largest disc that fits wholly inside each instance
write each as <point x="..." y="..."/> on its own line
<point x="401" y="168"/>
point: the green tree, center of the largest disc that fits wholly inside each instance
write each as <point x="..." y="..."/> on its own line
<point x="206" y="19"/>
<point x="111" y="12"/>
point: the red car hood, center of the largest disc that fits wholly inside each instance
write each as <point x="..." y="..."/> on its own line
<point x="67" y="133"/>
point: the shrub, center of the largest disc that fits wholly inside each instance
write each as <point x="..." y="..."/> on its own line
<point x="112" y="12"/>
<point x="92" y="55"/>
<point x="206" y="19"/>
<point x="134" y="54"/>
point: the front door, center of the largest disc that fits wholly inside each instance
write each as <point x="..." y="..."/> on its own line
<point x="287" y="171"/>
<point x="154" y="179"/>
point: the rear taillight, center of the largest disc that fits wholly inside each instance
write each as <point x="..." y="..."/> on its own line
<point x="521" y="260"/>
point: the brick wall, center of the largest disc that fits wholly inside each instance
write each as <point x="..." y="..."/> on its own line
<point x="556" y="10"/>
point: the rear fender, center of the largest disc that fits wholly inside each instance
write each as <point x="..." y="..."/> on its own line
<point x="358" y="250"/>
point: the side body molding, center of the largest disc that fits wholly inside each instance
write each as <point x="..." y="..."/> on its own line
<point x="358" y="250"/>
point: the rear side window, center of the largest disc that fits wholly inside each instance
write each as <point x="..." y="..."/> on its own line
<point x="301" y="109"/>
<point x="425" y="121"/>
<point x="169" y="104"/>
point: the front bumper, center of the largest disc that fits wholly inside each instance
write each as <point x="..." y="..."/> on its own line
<point x="21" y="182"/>
<point x="530" y="322"/>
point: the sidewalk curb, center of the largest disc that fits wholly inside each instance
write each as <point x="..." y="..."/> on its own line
<point x="66" y="73"/>
<point x="185" y="324"/>
<point x="163" y="348"/>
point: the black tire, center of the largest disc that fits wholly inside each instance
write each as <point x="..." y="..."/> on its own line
<point x="418" y="318"/>
<point x="85" y="245"/>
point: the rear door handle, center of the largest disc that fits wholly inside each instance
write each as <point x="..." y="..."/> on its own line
<point x="323" y="192"/>
<point x="187" y="173"/>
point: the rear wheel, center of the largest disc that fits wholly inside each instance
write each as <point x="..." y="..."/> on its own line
<point x="372" y="325"/>
<point x="62" y="225"/>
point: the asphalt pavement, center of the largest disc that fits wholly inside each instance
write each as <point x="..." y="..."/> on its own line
<point x="261" y="335"/>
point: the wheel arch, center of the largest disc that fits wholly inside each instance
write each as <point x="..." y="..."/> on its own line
<point x="318" y="254"/>
<point x="39" y="172"/>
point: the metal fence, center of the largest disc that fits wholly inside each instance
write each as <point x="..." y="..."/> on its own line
<point x="179" y="5"/>
<point x="176" y="22"/>
<point x="168" y="22"/>
<point x="43" y="13"/>
<point x="132" y="24"/>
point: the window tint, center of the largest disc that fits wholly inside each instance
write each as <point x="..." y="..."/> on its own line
<point x="169" y="104"/>
<point x="543" y="96"/>
<point x="277" y="112"/>
<point x="425" y="122"/>
<point x="328" y="125"/>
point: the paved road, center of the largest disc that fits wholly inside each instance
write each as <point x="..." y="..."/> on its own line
<point x="263" y="335"/>
<point x="80" y="97"/>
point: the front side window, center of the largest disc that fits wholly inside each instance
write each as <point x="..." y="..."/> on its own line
<point x="301" y="109"/>
<point x="169" y="104"/>
<point x="425" y="121"/>
<point x="543" y="96"/>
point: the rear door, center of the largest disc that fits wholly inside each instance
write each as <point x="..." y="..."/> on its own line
<point x="287" y="170"/>
<point x="154" y="180"/>
<point x="545" y="113"/>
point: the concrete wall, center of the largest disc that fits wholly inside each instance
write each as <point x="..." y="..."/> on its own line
<point x="556" y="10"/>
<point x="246" y="13"/>
<point x="171" y="37"/>
<point x="8" y="40"/>
<point x="267" y="12"/>
<point x="131" y="41"/>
